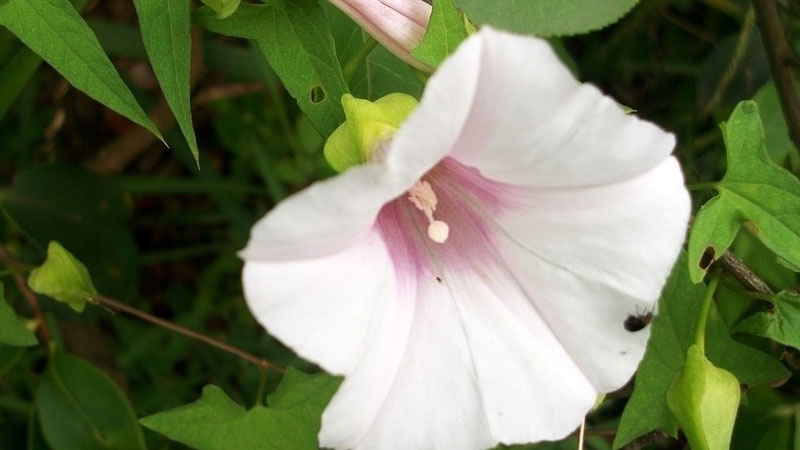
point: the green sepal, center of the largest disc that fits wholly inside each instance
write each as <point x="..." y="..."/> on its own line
<point x="704" y="400"/>
<point x="63" y="278"/>
<point x="223" y="8"/>
<point x="367" y="126"/>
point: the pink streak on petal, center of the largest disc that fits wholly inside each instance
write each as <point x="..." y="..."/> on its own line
<point x="465" y="198"/>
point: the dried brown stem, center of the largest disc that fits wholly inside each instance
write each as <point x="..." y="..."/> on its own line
<point x="118" y="306"/>
<point x="781" y="59"/>
<point x="736" y="267"/>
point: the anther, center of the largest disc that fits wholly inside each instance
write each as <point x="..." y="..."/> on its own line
<point x="423" y="197"/>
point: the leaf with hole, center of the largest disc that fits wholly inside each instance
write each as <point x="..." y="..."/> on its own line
<point x="754" y="193"/>
<point x="57" y="33"/>
<point x="295" y="38"/>
<point x="215" y="422"/>
<point x="80" y="407"/>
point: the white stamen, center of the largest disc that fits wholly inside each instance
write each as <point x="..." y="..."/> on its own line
<point x="423" y="197"/>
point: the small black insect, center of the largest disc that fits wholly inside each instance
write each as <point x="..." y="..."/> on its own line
<point x="439" y="279"/>
<point x="634" y="323"/>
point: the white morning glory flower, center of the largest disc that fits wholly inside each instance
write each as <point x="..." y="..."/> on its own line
<point x="471" y="280"/>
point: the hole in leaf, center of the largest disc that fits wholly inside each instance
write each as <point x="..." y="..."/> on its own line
<point x="707" y="258"/>
<point x="317" y="94"/>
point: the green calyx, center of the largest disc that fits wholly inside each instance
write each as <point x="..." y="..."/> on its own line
<point x="704" y="399"/>
<point x="367" y="126"/>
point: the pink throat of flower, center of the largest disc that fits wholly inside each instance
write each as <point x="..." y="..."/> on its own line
<point x="444" y="220"/>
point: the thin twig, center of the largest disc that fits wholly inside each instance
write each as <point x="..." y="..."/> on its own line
<point x="30" y="297"/>
<point x="781" y="59"/>
<point x="118" y="306"/>
<point x="736" y="267"/>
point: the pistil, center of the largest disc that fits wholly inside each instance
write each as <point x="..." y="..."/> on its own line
<point x="423" y="197"/>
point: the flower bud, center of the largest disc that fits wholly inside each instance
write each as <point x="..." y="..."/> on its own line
<point x="368" y="126"/>
<point x="704" y="399"/>
<point x="398" y="25"/>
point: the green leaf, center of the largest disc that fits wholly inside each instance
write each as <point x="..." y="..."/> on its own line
<point x="12" y="330"/>
<point x="380" y="73"/>
<point x="63" y="278"/>
<point x="445" y="31"/>
<point x="165" y="31"/>
<point x="672" y="333"/>
<point x="81" y="408"/>
<point x="294" y="37"/>
<point x="79" y="209"/>
<point x="57" y="33"/>
<point x="755" y="192"/>
<point x="766" y="422"/>
<point x="781" y="323"/>
<point x="547" y="17"/>
<point x="776" y="134"/>
<point x="215" y="422"/>
<point x="223" y="8"/>
<point x="704" y="399"/>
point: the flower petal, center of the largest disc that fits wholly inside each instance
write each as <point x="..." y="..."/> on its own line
<point x="530" y="122"/>
<point x="480" y="368"/>
<point x="589" y="257"/>
<point x="327" y="309"/>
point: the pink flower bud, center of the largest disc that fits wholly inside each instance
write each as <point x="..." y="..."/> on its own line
<point x="398" y="25"/>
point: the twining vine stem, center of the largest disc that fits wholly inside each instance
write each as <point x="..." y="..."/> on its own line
<point x="127" y="309"/>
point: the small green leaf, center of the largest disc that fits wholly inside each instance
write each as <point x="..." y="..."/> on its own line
<point x="672" y="334"/>
<point x="79" y="407"/>
<point x="295" y="38"/>
<point x="781" y="323"/>
<point x="57" y="33"/>
<point x="755" y="192"/>
<point x="215" y="422"/>
<point x="165" y="31"/>
<point x="547" y="17"/>
<point x="445" y="31"/>
<point x="79" y="209"/>
<point x="12" y="330"/>
<point x="64" y="278"/>
<point x="704" y="399"/>
<point x="223" y="8"/>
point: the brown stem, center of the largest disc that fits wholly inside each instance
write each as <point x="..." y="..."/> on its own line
<point x="30" y="297"/>
<point x="781" y="59"/>
<point x="736" y="267"/>
<point x="653" y="437"/>
<point x="118" y="306"/>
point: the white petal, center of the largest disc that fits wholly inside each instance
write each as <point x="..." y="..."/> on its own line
<point x="590" y="257"/>
<point x="329" y="216"/>
<point x="327" y="309"/>
<point x="481" y="367"/>
<point x="530" y="122"/>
